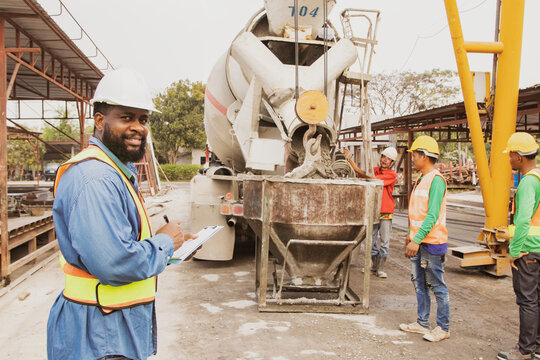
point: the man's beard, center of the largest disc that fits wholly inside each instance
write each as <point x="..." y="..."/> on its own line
<point x="119" y="148"/>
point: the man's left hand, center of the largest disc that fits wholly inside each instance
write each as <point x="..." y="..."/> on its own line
<point x="512" y="260"/>
<point x="502" y="233"/>
<point x="412" y="249"/>
<point x="188" y="237"/>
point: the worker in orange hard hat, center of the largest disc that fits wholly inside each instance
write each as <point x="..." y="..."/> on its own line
<point x="427" y="241"/>
<point x="384" y="172"/>
<point x="524" y="236"/>
<point x="109" y="255"/>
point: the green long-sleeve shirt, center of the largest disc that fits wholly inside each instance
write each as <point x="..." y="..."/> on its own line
<point x="436" y="194"/>
<point x="527" y="199"/>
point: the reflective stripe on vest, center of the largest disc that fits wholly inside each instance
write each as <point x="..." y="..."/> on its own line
<point x="82" y="287"/>
<point x="534" y="228"/>
<point x="418" y="209"/>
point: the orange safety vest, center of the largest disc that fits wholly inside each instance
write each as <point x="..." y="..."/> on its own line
<point x="82" y="287"/>
<point x="418" y="209"/>
<point x="534" y="229"/>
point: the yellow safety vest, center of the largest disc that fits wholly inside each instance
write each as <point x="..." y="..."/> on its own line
<point x="534" y="229"/>
<point x="418" y="209"/>
<point x="82" y="287"/>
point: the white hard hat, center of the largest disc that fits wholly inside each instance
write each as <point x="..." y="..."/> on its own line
<point x="124" y="87"/>
<point x="390" y="152"/>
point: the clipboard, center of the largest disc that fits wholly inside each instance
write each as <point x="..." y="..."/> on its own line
<point x="187" y="248"/>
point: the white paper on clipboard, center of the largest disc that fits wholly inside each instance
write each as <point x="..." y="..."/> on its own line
<point x="187" y="248"/>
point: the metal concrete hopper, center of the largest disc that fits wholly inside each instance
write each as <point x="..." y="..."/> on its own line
<point x="311" y="227"/>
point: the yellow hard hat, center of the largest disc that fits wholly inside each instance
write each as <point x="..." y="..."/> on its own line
<point x="427" y="144"/>
<point x="522" y="143"/>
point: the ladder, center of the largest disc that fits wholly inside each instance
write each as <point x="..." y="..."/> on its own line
<point x="369" y="20"/>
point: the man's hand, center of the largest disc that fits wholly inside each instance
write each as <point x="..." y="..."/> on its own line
<point x="412" y="249"/>
<point x="174" y="230"/>
<point x="188" y="237"/>
<point x="406" y="242"/>
<point x="502" y="233"/>
<point x="347" y="153"/>
<point x="512" y="260"/>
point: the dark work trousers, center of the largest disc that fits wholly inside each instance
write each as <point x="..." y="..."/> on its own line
<point x="526" y="282"/>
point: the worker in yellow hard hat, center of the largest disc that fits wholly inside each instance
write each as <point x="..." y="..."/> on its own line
<point x="427" y="241"/>
<point x="109" y="255"/>
<point x="524" y="236"/>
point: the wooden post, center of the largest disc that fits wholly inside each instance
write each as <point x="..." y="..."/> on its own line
<point x="32" y="245"/>
<point x="51" y="236"/>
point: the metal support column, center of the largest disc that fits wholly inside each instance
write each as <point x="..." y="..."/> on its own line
<point x="265" y="246"/>
<point x="408" y="165"/>
<point x="504" y="116"/>
<point x="494" y="176"/>
<point x="82" y="108"/>
<point x="367" y="261"/>
<point x="3" y="156"/>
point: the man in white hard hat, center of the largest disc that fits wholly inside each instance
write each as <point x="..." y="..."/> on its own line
<point x="384" y="172"/>
<point x="110" y="257"/>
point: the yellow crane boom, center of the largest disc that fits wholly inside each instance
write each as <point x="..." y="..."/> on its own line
<point x="494" y="176"/>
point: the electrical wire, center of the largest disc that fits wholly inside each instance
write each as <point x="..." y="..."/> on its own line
<point x="423" y="37"/>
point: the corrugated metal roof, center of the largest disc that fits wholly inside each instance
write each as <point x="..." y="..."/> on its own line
<point x="528" y="102"/>
<point x="35" y="28"/>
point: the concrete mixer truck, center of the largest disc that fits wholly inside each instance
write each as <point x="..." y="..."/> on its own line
<point x="272" y="115"/>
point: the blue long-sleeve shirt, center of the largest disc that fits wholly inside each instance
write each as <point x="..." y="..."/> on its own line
<point x="96" y="223"/>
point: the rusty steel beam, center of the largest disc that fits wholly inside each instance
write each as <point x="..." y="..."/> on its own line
<point x="39" y="139"/>
<point x="3" y="157"/>
<point x="39" y="44"/>
<point x="81" y="110"/>
<point x="8" y="14"/>
<point x="33" y="91"/>
<point x="47" y="77"/>
<point x="441" y="124"/>
<point x="57" y="129"/>
<point x="532" y="111"/>
<point x="21" y="50"/>
<point x="63" y="37"/>
<point x="12" y="80"/>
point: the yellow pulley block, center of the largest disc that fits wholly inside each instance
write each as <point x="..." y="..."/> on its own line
<point x="312" y="107"/>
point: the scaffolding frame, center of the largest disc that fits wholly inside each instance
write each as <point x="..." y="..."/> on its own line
<point x="38" y="61"/>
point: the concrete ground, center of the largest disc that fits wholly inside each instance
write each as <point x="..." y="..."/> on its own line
<point x="207" y="310"/>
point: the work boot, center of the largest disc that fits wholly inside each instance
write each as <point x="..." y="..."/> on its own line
<point x="375" y="264"/>
<point x="414" y="328"/>
<point x="437" y="334"/>
<point x="380" y="272"/>
<point x="513" y="354"/>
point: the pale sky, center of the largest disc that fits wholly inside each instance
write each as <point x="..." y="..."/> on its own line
<point x="169" y="40"/>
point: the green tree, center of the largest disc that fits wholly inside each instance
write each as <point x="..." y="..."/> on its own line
<point x="180" y="123"/>
<point x="397" y="94"/>
<point x="22" y="155"/>
<point x="64" y="123"/>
